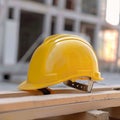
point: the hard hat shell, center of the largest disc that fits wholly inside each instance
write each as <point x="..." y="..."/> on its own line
<point x="61" y="57"/>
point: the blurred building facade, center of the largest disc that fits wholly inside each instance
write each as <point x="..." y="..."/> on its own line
<point x="22" y="22"/>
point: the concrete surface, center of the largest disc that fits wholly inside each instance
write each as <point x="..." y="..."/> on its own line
<point x="109" y="79"/>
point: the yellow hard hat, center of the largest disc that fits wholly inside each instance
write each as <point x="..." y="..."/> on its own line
<point x="60" y="58"/>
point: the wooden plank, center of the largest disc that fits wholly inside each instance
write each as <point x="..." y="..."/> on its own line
<point x="8" y="104"/>
<point x="89" y="115"/>
<point x="33" y="105"/>
<point x="96" y="115"/>
<point x="6" y="94"/>
<point x="50" y="111"/>
<point x="30" y="102"/>
<point x="114" y="112"/>
<point x="11" y="94"/>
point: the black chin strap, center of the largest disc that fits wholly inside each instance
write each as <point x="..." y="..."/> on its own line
<point x="45" y="91"/>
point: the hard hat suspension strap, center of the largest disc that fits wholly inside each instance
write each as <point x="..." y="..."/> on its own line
<point x="80" y="86"/>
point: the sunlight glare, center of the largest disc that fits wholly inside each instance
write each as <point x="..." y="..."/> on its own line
<point x="113" y="12"/>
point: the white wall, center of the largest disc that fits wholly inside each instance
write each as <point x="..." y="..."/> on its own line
<point x="10" y="44"/>
<point x="3" y="14"/>
<point x="1" y="42"/>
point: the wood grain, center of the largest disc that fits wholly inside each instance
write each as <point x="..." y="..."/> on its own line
<point x="26" y="105"/>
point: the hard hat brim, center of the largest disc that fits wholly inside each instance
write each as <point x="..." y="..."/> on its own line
<point x="27" y="86"/>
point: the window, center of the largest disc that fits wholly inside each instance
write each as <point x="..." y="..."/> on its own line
<point x="55" y="2"/>
<point x="40" y="1"/>
<point x="69" y="24"/>
<point x="53" y="24"/>
<point x="70" y="4"/>
<point x="10" y="13"/>
<point x="31" y="27"/>
<point x="89" y="6"/>
<point x="88" y="30"/>
<point x="109" y="46"/>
